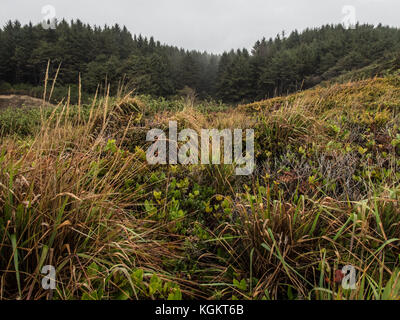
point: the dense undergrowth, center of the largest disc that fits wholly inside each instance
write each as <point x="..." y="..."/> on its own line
<point x="76" y="192"/>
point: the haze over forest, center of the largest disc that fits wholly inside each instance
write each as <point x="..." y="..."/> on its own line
<point x="212" y="26"/>
<point x="274" y="66"/>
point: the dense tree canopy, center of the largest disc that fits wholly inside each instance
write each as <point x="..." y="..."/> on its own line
<point x="274" y="66"/>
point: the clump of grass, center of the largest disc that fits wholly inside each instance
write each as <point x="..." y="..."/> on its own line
<point x="291" y="250"/>
<point x="64" y="202"/>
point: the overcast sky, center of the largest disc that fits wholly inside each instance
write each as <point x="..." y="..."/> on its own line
<point x="212" y="25"/>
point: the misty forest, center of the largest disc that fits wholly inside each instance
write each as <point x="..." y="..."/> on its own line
<point x="111" y="54"/>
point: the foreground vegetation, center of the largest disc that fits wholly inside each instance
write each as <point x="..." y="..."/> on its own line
<point x="76" y="192"/>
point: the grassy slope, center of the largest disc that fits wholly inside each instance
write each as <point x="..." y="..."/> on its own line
<point x="386" y="66"/>
<point x="76" y="192"/>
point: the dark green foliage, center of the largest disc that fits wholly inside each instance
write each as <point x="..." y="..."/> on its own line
<point x="101" y="55"/>
<point x="110" y="54"/>
<point x="300" y="61"/>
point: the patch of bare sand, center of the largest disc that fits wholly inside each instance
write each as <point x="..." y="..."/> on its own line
<point x="18" y="101"/>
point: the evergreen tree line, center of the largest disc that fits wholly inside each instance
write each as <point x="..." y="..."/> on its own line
<point x="109" y="54"/>
<point x="102" y="54"/>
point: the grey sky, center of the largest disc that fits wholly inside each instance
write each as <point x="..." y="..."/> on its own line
<point x="212" y="25"/>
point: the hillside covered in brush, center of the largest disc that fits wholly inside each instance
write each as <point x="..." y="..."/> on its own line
<point x="77" y="192"/>
<point x="106" y="54"/>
